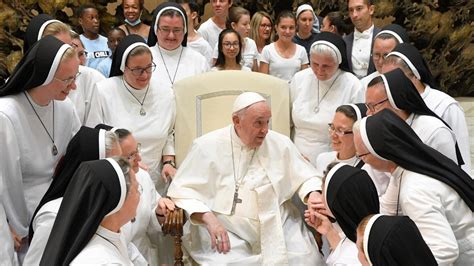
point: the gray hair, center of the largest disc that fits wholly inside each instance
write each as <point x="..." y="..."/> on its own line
<point x="111" y="141"/>
<point x="125" y="166"/>
<point x="323" y="49"/>
<point x="393" y="59"/>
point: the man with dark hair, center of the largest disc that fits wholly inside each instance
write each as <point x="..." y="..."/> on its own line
<point x="359" y="43"/>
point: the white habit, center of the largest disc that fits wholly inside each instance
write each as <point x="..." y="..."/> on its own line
<point x="105" y="248"/>
<point x="443" y="218"/>
<point x="266" y="227"/>
<point x="81" y="97"/>
<point x="176" y="66"/>
<point x="26" y="160"/>
<point x="114" y="105"/>
<point x="452" y="113"/>
<point x="7" y="253"/>
<point x="310" y="128"/>
<point x="146" y="225"/>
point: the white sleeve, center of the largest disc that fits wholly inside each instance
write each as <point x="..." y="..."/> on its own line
<point x="168" y="148"/>
<point x="303" y="55"/>
<point x="266" y="54"/>
<point x="97" y="111"/>
<point x="215" y="52"/>
<point x="389" y="200"/>
<point x="13" y="196"/>
<point x="424" y="207"/>
<point x="43" y="223"/>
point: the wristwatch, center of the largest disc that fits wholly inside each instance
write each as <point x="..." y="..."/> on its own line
<point x="170" y="162"/>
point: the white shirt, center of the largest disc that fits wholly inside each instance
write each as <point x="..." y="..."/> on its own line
<point x="114" y="105"/>
<point x="266" y="227"/>
<point x="452" y="113"/>
<point x="105" y="248"/>
<point x="345" y="253"/>
<point x="361" y="49"/>
<point x="201" y="46"/>
<point x="210" y="32"/>
<point x="443" y="218"/>
<point x="82" y="95"/>
<point x="244" y="68"/>
<point x="26" y="161"/>
<point x="280" y="67"/>
<point x="310" y="128"/>
<point x="249" y="54"/>
<point x="177" y="65"/>
<point x="7" y="253"/>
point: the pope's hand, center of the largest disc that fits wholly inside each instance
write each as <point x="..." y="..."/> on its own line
<point x="164" y="206"/>
<point x="217" y="232"/>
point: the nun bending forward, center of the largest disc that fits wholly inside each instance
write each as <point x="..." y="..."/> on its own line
<point x="36" y="123"/>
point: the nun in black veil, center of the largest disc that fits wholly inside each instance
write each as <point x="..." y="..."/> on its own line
<point x="425" y="185"/>
<point x="102" y="196"/>
<point x="393" y="90"/>
<point x="407" y="57"/>
<point x="392" y="240"/>
<point x="349" y="195"/>
<point x="37" y="121"/>
<point x="87" y="145"/>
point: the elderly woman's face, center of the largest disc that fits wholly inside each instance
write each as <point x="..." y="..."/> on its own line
<point x="129" y="208"/>
<point x="323" y="65"/>
<point x="64" y="80"/>
<point x="138" y="70"/>
<point x="170" y="32"/>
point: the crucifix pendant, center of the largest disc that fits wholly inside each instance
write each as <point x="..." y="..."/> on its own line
<point x="54" y="150"/>
<point x="142" y="111"/>
<point x="235" y="201"/>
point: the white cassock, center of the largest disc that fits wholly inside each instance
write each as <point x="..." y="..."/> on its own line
<point x="42" y="225"/>
<point x="81" y="97"/>
<point x="172" y="66"/>
<point x="146" y="225"/>
<point x="26" y="160"/>
<point x="114" y="105"/>
<point x="105" y="248"/>
<point x="452" y="113"/>
<point x="443" y="218"/>
<point x="434" y="133"/>
<point x="266" y="227"/>
<point x="310" y="115"/>
<point x="380" y="179"/>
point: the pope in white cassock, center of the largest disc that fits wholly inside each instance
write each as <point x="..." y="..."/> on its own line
<point x="236" y="184"/>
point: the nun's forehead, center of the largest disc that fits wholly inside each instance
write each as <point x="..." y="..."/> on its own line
<point x="171" y="13"/>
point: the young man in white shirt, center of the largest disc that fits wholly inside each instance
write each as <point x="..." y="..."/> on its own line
<point x="214" y="25"/>
<point x="360" y="58"/>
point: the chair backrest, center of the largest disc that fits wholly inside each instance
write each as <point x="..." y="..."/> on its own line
<point x="204" y="103"/>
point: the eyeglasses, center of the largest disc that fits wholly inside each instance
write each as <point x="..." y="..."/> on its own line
<point x="338" y="132"/>
<point x="133" y="156"/>
<point x="138" y="71"/>
<point x="168" y="30"/>
<point x="265" y="26"/>
<point x="69" y="81"/>
<point x="371" y="107"/>
<point x="362" y="155"/>
<point x="377" y="56"/>
<point x="229" y="45"/>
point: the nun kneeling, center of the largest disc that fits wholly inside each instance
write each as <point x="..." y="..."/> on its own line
<point x="102" y="196"/>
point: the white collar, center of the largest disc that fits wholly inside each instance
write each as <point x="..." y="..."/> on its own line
<point x="367" y="31"/>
